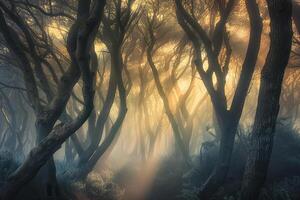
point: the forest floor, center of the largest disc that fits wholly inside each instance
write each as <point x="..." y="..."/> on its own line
<point x="168" y="178"/>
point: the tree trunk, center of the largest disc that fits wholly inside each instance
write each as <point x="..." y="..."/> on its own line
<point x="79" y="54"/>
<point x="227" y="118"/>
<point x="219" y="174"/>
<point x="97" y="133"/>
<point x="46" y="177"/>
<point x="228" y="122"/>
<point x="296" y="14"/>
<point x="116" y="71"/>
<point x="179" y="142"/>
<point x="280" y="12"/>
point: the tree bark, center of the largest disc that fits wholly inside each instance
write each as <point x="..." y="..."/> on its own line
<point x="261" y="143"/>
<point x="81" y="37"/>
<point x="46" y="177"/>
<point x="296" y="14"/>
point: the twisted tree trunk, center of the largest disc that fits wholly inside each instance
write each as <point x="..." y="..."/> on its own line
<point x="280" y="12"/>
<point x="227" y="119"/>
<point x="80" y="40"/>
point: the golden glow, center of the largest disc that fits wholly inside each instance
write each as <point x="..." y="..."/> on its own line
<point x="56" y="30"/>
<point x="142" y="121"/>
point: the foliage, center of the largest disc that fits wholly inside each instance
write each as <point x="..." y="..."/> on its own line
<point x="283" y="176"/>
<point x="94" y="187"/>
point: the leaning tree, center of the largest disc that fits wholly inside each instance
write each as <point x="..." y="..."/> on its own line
<point x="80" y="40"/>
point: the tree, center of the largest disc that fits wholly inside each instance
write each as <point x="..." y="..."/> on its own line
<point x="152" y="24"/>
<point x="212" y="44"/>
<point x="80" y="39"/>
<point x="116" y="25"/>
<point x="272" y="74"/>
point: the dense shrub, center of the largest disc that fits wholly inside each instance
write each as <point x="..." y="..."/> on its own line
<point x="94" y="187"/>
<point x="284" y="165"/>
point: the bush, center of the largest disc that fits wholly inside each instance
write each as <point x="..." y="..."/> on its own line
<point x="284" y="165"/>
<point x="94" y="187"/>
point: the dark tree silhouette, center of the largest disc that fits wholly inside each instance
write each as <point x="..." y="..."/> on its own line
<point x="80" y="39"/>
<point x="272" y="74"/>
<point x="227" y="118"/>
